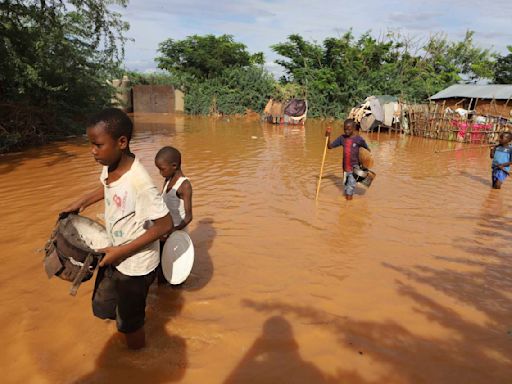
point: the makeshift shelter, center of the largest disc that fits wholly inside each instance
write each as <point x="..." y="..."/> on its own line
<point x="490" y="100"/>
<point x="376" y="110"/>
<point x="293" y="111"/>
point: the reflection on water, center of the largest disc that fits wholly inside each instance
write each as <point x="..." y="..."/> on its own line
<point x="410" y="282"/>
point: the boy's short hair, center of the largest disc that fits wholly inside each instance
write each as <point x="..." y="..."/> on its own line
<point x="117" y="123"/>
<point x="351" y="122"/>
<point x="169" y="154"/>
<point x="506" y="134"/>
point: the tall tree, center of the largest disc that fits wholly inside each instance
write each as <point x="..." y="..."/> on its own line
<point x="344" y="70"/>
<point x="204" y="57"/>
<point x="503" y="68"/>
<point x="56" y="57"/>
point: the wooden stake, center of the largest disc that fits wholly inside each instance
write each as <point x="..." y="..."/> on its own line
<point x="321" y="168"/>
<point x="464" y="149"/>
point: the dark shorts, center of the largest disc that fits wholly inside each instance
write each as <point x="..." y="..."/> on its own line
<point x="122" y="298"/>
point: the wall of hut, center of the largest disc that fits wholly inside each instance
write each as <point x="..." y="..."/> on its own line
<point x="492" y="107"/>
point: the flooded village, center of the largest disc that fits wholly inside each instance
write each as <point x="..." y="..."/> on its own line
<point x="346" y="220"/>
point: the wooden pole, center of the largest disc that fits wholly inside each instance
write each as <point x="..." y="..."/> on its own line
<point x="321" y="168"/>
<point x="458" y="102"/>
<point x="464" y="149"/>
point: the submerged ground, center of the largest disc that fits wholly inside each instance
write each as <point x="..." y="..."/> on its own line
<point x="411" y="282"/>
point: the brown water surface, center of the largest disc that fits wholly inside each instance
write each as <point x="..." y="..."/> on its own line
<point x="411" y="282"/>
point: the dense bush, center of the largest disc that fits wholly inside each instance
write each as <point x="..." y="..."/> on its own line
<point x="56" y="58"/>
<point x="233" y="92"/>
<point x="155" y="78"/>
<point x="342" y="72"/>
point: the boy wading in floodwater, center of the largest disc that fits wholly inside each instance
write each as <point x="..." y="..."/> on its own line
<point x="351" y="142"/>
<point x="131" y="199"/>
<point x="501" y="156"/>
<point x="176" y="192"/>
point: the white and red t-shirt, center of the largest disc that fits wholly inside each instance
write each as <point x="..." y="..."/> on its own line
<point x="130" y="202"/>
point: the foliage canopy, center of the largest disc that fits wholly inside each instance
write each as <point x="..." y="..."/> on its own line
<point x="204" y="57"/>
<point x="56" y="59"/>
<point x="342" y="71"/>
<point x="503" y="68"/>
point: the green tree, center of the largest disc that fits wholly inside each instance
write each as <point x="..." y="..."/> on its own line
<point x="503" y="68"/>
<point x="56" y="58"/>
<point x="217" y="74"/>
<point x="344" y="70"/>
<point x="300" y="56"/>
<point x="204" y="57"/>
<point x="235" y="91"/>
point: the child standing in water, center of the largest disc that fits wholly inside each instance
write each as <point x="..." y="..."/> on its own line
<point x="131" y="199"/>
<point x="176" y="192"/>
<point x="351" y="142"/>
<point x="501" y="156"/>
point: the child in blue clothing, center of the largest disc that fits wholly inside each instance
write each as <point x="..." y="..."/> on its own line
<point x="501" y="159"/>
<point x="351" y="142"/>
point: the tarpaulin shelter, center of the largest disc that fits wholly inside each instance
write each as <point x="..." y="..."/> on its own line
<point x="375" y="111"/>
<point x="293" y="111"/>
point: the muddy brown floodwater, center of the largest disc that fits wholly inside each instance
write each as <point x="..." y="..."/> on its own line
<point x="411" y="282"/>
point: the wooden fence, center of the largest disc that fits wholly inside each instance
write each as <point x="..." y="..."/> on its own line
<point x="432" y="121"/>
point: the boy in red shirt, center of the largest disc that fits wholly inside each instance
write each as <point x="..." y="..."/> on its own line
<point x="351" y="142"/>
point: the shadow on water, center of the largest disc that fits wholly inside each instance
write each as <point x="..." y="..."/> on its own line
<point x="482" y="352"/>
<point x="164" y="359"/>
<point x="480" y="179"/>
<point x="274" y="358"/>
<point x="202" y="270"/>
<point x="478" y="351"/>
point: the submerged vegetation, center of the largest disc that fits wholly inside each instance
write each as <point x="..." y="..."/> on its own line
<point x="57" y="58"/>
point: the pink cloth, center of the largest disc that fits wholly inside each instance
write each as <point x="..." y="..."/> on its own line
<point x="477" y="130"/>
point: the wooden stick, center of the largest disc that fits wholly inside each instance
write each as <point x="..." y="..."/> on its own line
<point x="321" y="168"/>
<point x="81" y="274"/>
<point x="458" y="102"/>
<point x="463" y="149"/>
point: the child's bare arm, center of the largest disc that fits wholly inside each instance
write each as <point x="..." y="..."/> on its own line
<point x="114" y="255"/>
<point x="186" y="194"/>
<point x="86" y="200"/>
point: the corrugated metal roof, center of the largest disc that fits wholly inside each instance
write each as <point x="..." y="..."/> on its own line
<point x="495" y="91"/>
